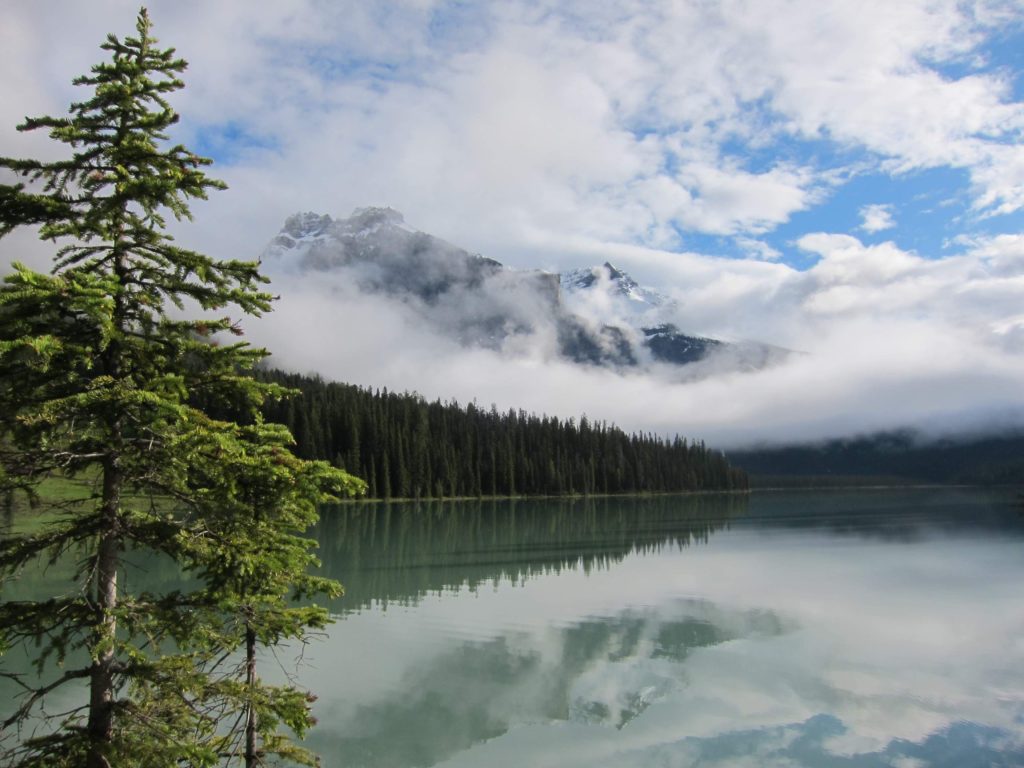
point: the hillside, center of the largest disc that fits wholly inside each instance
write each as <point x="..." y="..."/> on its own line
<point x="891" y="457"/>
<point x="404" y="446"/>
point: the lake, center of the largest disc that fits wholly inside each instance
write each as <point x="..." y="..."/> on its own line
<point x="855" y="629"/>
<point x="867" y="628"/>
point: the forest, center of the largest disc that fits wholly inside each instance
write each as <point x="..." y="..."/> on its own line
<point x="888" y="458"/>
<point x="406" y="447"/>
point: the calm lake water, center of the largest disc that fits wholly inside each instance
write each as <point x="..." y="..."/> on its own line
<point x="821" y="630"/>
<point x="869" y="628"/>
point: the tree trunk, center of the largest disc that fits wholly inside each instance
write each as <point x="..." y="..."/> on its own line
<point x="104" y="636"/>
<point x="251" y="756"/>
<point x="101" y="678"/>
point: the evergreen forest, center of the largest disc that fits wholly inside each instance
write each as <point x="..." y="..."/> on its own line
<point x="406" y="447"/>
<point x="888" y="458"/>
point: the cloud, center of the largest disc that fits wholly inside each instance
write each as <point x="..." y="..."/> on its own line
<point x="758" y="249"/>
<point x="876" y="217"/>
<point x="505" y="126"/>
<point x="886" y="339"/>
<point x="729" y="200"/>
<point x="642" y="133"/>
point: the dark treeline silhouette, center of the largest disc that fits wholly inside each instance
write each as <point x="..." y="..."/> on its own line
<point x="889" y="458"/>
<point x="395" y="553"/>
<point x="406" y="447"/>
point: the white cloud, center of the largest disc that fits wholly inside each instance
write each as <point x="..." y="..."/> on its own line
<point x="614" y="124"/>
<point x="876" y="217"/>
<point x="887" y="339"/>
<point x="542" y="136"/>
<point x="554" y="120"/>
<point x="758" y="249"/>
<point x="730" y="200"/>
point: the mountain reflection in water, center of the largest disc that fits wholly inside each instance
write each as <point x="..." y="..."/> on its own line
<point x="836" y="629"/>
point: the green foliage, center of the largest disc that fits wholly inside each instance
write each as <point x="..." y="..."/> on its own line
<point x="407" y="447"/>
<point x="98" y="385"/>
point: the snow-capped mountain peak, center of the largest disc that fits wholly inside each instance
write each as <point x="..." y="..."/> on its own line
<point x="308" y="224"/>
<point x="594" y="316"/>
<point x="614" y="290"/>
<point x="364" y="222"/>
<point x="313" y="241"/>
<point x="299" y="230"/>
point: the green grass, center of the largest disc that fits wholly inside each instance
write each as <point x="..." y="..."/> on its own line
<point x="57" y="495"/>
<point x="57" y="488"/>
<point x="19" y="517"/>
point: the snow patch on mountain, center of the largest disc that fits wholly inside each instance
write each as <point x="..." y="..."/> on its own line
<point x="609" y="293"/>
<point x="592" y="316"/>
<point x="317" y="241"/>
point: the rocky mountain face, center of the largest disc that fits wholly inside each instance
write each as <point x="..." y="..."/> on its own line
<point x="630" y="298"/>
<point x="389" y="256"/>
<point x="596" y="315"/>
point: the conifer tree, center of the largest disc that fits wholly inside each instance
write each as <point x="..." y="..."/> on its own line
<point x="98" y="381"/>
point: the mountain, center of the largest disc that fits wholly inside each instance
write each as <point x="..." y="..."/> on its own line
<point x="390" y="256"/>
<point x="625" y="296"/>
<point x="596" y="315"/>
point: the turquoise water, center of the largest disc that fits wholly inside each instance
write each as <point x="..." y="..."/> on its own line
<point x="872" y="628"/>
<point x="862" y="629"/>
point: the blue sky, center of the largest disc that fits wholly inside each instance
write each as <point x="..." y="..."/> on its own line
<point x="673" y="126"/>
<point x="803" y="172"/>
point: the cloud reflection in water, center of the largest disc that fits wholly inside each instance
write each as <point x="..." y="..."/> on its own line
<point x="867" y="641"/>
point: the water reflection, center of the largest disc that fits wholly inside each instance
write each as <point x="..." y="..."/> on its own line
<point x="907" y="514"/>
<point x="601" y="672"/>
<point x="387" y="553"/>
<point x="860" y="630"/>
<point x="808" y="630"/>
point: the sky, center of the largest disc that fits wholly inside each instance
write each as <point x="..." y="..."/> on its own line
<point x="842" y="179"/>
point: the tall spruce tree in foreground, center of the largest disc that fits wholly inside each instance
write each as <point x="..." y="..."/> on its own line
<point x="98" y="382"/>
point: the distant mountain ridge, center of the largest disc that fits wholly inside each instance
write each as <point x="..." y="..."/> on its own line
<point x="902" y="456"/>
<point x="600" y="315"/>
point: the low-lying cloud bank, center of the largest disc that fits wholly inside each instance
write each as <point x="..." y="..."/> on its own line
<point x="886" y="339"/>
